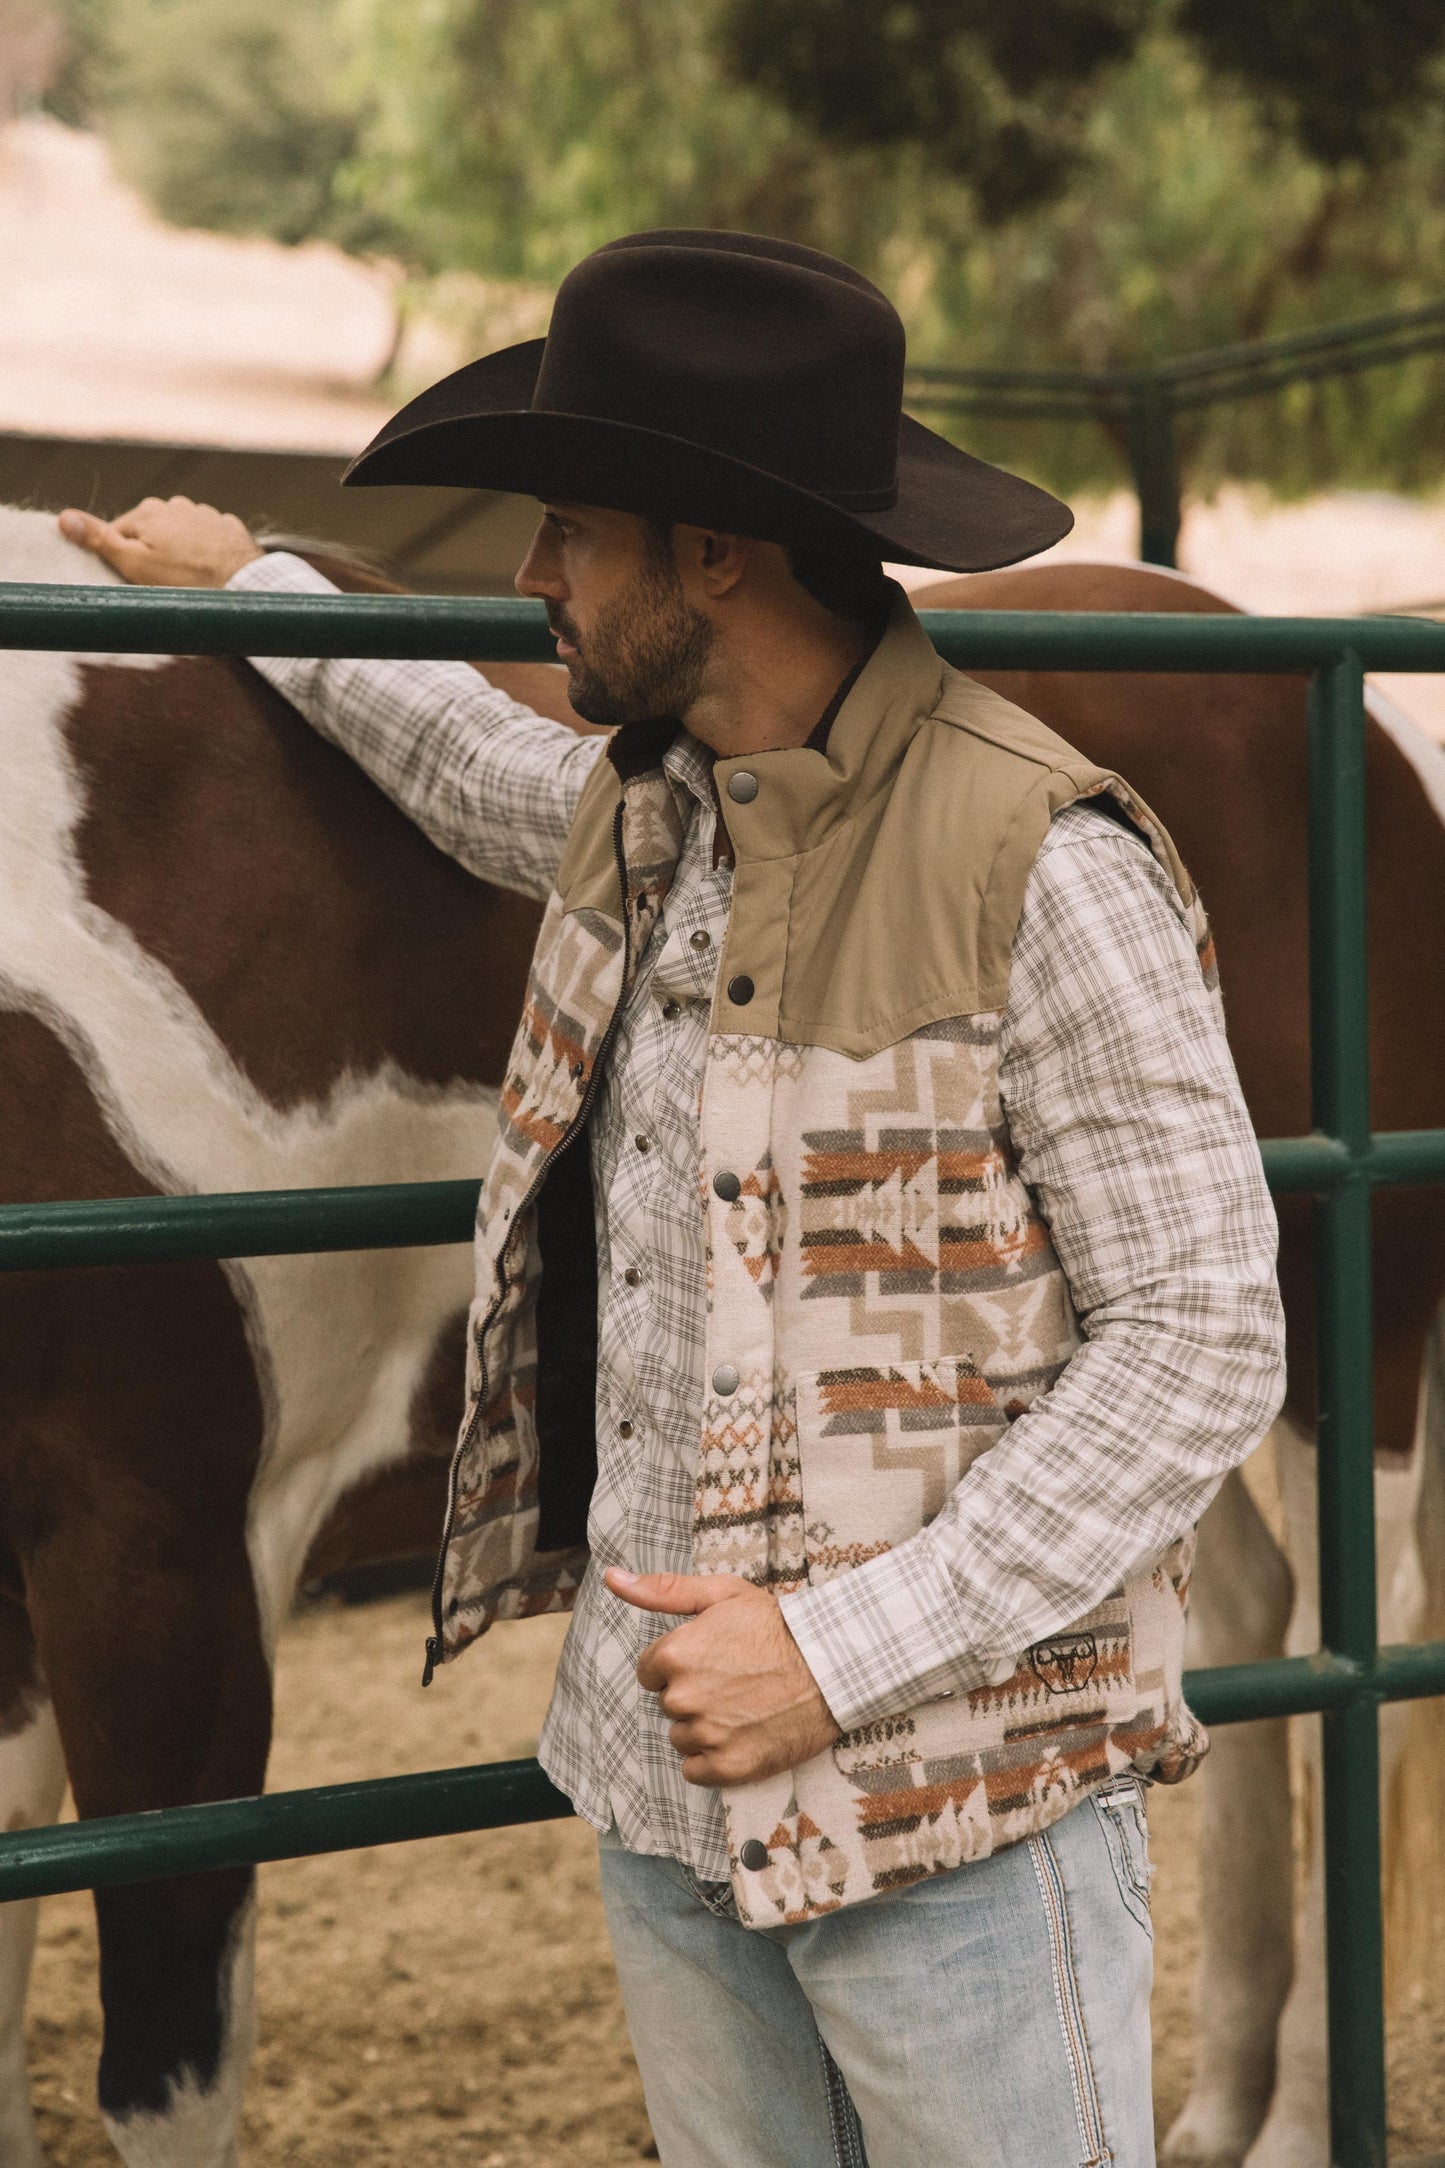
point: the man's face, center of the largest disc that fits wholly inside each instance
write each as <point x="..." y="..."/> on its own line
<point x="633" y="645"/>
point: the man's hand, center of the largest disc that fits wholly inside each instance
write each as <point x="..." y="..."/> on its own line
<point x="168" y="542"/>
<point x="742" y="1701"/>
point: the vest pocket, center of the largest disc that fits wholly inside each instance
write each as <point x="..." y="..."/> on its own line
<point x="880" y="1448"/>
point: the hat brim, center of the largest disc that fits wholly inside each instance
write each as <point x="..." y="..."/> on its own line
<point x="477" y="429"/>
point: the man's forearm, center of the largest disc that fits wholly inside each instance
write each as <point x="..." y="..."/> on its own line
<point x="491" y="782"/>
<point x="1131" y="1130"/>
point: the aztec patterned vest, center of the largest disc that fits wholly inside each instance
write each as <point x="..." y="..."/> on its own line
<point x="884" y="1297"/>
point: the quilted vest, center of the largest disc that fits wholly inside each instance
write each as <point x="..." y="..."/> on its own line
<point x="884" y="1298"/>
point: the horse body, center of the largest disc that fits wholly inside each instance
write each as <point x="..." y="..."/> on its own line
<point x="226" y="962"/>
<point x="1224" y="762"/>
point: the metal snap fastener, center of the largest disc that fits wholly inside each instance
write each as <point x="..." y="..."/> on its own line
<point x="579" y="1070"/>
<point x="728" y="1187"/>
<point x="624" y="1430"/>
<point x="671" y="1010"/>
<point x="702" y="938"/>
<point x="741" y="990"/>
<point x="743" y="787"/>
<point x="644" y="1144"/>
<point x="632" y="1276"/>
<point x="754" y="1855"/>
<point x="725" y="1381"/>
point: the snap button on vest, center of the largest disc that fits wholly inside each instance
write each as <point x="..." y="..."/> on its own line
<point x="754" y="1854"/>
<point x="740" y="990"/>
<point x="725" y="1381"/>
<point x="743" y="787"/>
<point x="728" y="1187"/>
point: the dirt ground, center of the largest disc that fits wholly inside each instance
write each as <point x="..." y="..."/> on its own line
<point x="453" y="2002"/>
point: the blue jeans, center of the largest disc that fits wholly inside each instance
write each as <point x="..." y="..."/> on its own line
<point x="994" y="2017"/>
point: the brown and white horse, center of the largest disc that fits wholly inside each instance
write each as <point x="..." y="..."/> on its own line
<point x="1223" y="760"/>
<point x="227" y="963"/>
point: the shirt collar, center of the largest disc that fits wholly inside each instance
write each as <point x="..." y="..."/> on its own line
<point x="688" y="764"/>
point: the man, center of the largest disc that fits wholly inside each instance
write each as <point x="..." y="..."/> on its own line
<point x="875" y="1269"/>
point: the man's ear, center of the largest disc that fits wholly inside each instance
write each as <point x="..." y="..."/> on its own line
<point x="712" y="561"/>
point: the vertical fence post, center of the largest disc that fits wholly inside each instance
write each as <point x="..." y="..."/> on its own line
<point x="1154" y="463"/>
<point x="1340" y="1054"/>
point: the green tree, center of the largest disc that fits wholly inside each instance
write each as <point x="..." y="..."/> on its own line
<point x="239" y="115"/>
<point x="999" y="95"/>
<point x="1180" y="187"/>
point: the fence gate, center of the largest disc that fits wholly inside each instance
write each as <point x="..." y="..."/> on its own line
<point x="1339" y="1164"/>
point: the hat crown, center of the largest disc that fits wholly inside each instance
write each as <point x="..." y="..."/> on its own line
<point x="765" y="352"/>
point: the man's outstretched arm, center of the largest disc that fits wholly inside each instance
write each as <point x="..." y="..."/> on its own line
<point x="491" y="782"/>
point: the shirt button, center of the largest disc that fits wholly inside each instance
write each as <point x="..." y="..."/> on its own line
<point x="754" y="1855"/>
<point x="725" y="1381"/>
<point x="644" y="1144"/>
<point x="632" y="1276"/>
<point x="743" y="787"/>
<point x="740" y="990"/>
<point x="728" y="1187"/>
<point x="624" y="1430"/>
<point x="702" y="938"/>
<point x="671" y="1010"/>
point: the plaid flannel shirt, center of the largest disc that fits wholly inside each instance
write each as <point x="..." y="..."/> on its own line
<point x="1112" y="1055"/>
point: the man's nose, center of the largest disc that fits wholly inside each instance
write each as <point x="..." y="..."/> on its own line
<point x="536" y="576"/>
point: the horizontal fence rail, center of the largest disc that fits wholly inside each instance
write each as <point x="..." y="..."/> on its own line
<point x="497" y="1795"/>
<point x="1142" y="406"/>
<point x="1341" y="1164"/>
<point x="185" y="621"/>
<point x="405" y="1215"/>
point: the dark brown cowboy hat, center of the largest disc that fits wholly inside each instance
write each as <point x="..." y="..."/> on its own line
<point x="729" y="381"/>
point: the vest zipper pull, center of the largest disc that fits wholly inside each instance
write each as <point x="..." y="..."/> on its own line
<point x="433" y="1658"/>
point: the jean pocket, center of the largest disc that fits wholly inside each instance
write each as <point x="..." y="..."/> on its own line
<point x="1125" y="1824"/>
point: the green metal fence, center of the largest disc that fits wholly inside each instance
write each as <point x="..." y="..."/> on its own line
<point x="1142" y="407"/>
<point x="1340" y="1163"/>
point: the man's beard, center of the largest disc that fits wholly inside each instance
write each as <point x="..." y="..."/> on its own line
<point x="646" y="652"/>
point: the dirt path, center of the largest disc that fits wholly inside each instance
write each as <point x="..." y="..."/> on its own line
<point x="453" y="2002"/>
<point x="116" y="325"/>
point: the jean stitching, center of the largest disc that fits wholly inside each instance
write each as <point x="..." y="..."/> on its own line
<point x="1132" y="1881"/>
<point x="843" y="2125"/>
<point x="1066" y="2001"/>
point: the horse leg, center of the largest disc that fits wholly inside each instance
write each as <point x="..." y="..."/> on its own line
<point x="1296" y="2130"/>
<point x="1239" y="1611"/>
<point x="1413" y="1733"/>
<point x="32" y="1786"/>
<point x="160" y="1703"/>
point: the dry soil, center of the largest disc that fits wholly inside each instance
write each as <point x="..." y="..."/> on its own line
<point x="453" y="2001"/>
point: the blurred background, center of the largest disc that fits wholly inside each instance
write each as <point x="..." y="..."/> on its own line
<point x="251" y="227"/>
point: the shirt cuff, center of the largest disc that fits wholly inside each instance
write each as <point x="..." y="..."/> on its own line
<point x="279" y="572"/>
<point x="888" y="1635"/>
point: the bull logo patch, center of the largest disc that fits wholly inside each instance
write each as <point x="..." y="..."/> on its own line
<point x="1065" y="1664"/>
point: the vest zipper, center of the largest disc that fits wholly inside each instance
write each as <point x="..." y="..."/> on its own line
<point x="584" y="1108"/>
